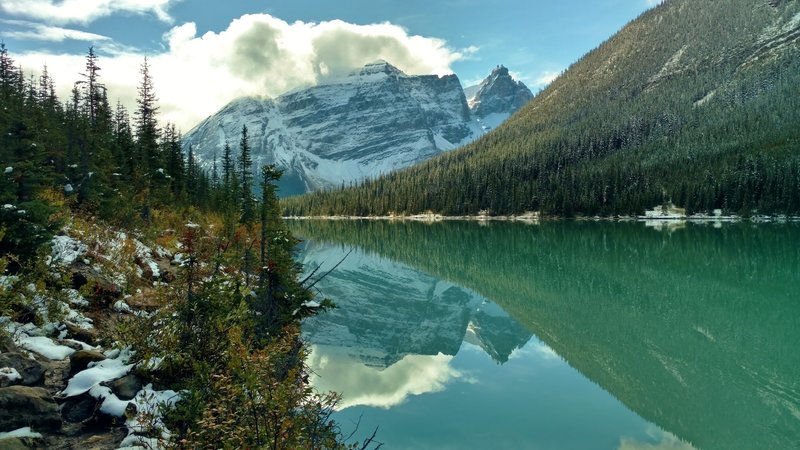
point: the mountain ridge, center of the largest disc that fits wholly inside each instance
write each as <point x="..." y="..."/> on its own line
<point x="373" y="121"/>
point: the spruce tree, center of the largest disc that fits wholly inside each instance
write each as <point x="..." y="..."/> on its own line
<point x="246" y="178"/>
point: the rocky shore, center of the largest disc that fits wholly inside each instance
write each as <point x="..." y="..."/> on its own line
<point x="65" y="382"/>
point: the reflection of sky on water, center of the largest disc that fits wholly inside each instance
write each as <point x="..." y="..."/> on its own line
<point x="535" y="400"/>
<point x="662" y="441"/>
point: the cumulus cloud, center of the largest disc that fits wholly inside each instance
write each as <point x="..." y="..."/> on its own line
<point x="84" y="11"/>
<point x="41" y="32"/>
<point x="545" y="78"/>
<point x="257" y="55"/>
<point x="362" y="385"/>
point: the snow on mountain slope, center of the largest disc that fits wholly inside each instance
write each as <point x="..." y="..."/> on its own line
<point x="372" y="122"/>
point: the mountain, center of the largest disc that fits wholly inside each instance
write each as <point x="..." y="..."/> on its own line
<point x="372" y="122"/>
<point x="695" y="102"/>
<point x="497" y="98"/>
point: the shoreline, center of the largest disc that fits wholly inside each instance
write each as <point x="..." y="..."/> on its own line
<point x="533" y="219"/>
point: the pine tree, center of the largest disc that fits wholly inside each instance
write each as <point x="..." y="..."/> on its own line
<point x="147" y="133"/>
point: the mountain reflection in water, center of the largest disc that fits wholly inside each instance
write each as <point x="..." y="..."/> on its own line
<point x="694" y="330"/>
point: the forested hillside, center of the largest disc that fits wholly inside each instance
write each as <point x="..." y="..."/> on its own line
<point x="156" y="305"/>
<point x="695" y="102"/>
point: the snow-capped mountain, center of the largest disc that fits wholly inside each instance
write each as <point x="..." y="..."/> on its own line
<point x="496" y="98"/>
<point x="371" y="122"/>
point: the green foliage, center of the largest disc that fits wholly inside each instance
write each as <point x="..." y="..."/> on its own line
<point x="697" y="102"/>
<point x="27" y="227"/>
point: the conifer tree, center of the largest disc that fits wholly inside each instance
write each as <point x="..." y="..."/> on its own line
<point x="246" y="178"/>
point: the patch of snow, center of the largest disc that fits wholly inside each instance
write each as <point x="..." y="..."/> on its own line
<point x="122" y="307"/>
<point x="25" y="432"/>
<point x="68" y="189"/>
<point x="82" y="345"/>
<point x="106" y="370"/>
<point x="111" y="405"/>
<point x="10" y="374"/>
<point x="493" y="120"/>
<point x="75" y="298"/>
<point x="66" y="250"/>
<point x="44" y="346"/>
<point x="9" y="169"/>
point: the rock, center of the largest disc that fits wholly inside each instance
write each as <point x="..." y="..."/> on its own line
<point x="126" y="387"/>
<point x="31" y="371"/>
<point x="102" y="289"/>
<point x="80" y="360"/>
<point x="23" y="312"/>
<point x="6" y="344"/>
<point x="147" y="271"/>
<point x="146" y="300"/>
<point x="167" y="271"/>
<point x="13" y="444"/>
<point x="81" y="334"/>
<point x="23" y="406"/>
<point x="79" y="409"/>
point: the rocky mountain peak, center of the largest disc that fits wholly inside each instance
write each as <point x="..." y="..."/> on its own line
<point x="497" y="97"/>
<point x="378" y="67"/>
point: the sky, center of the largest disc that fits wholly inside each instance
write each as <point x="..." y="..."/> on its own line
<point x="205" y="53"/>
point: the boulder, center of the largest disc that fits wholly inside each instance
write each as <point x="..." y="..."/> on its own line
<point x="80" y="360"/>
<point x="167" y="271"/>
<point x="31" y="371"/>
<point x="23" y="406"/>
<point x="79" y="409"/>
<point x="13" y="444"/>
<point x="126" y="387"/>
<point x="81" y="334"/>
<point x="103" y="290"/>
<point x="6" y="344"/>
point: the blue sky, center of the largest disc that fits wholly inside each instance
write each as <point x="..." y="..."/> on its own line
<point x="256" y="47"/>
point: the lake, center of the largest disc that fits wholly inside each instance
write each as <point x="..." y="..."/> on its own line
<point x="559" y="335"/>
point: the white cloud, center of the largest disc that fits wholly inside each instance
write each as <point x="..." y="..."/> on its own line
<point x="83" y="11"/>
<point x="545" y="78"/>
<point x="359" y="385"/>
<point x="256" y="55"/>
<point x="41" y="32"/>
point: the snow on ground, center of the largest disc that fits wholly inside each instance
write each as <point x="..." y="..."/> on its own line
<point x="43" y="346"/>
<point x="107" y="370"/>
<point x="25" y="432"/>
<point x="10" y="374"/>
<point x="66" y="250"/>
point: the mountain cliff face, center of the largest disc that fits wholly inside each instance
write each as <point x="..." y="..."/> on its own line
<point x="372" y="122"/>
